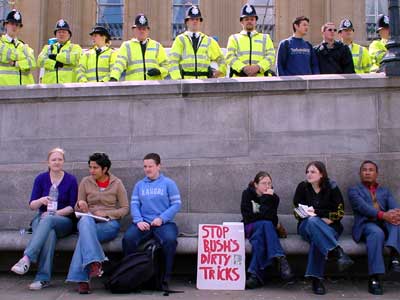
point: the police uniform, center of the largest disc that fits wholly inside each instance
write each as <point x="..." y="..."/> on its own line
<point x="96" y="63"/>
<point x="146" y="60"/>
<point x="192" y="53"/>
<point x="361" y="58"/>
<point x="60" y="61"/>
<point x="17" y="59"/>
<point x="377" y="49"/>
<point x="250" y="48"/>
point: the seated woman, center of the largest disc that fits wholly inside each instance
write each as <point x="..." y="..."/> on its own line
<point x="259" y="210"/>
<point x="48" y="227"/>
<point x="322" y="227"/>
<point x="101" y="194"/>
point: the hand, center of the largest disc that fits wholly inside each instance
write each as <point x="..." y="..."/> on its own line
<point x="154" y="72"/>
<point x="311" y="211"/>
<point x="327" y="221"/>
<point x="53" y="56"/>
<point x="83" y="206"/>
<point x="157" y="222"/>
<point x="12" y="63"/>
<point x="392" y="216"/>
<point x="143" y="226"/>
<point x="100" y="213"/>
<point x="217" y="74"/>
<point x="44" y="200"/>
<point x="251" y="70"/>
<point x="112" y="79"/>
<point x="269" y="192"/>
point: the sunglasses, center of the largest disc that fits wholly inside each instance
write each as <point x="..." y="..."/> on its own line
<point x="331" y="29"/>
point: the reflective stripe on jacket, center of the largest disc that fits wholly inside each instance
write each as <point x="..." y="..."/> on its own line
<point x="23" y="56"/>
<point x="377" y="50"/>
<point x="361" y="59"/>
<point x="183" y="58"/>
<point x="243" y="50"/>
<point x="67" y="54"/>
<point x="96" y="68"/>
<point x="130" y="59"/>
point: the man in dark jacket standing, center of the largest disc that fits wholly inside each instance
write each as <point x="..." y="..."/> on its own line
<point x="376" y="222"/>
<point x="334" y="57"/>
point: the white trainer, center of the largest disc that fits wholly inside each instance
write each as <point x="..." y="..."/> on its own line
<point x="38" y="285"/>
<point x="21" y="267"/>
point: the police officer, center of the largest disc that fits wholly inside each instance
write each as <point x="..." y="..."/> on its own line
<point x="60" y="60"/>
<point x="250" y="53"/>
<point x="141" y="57"/>
<point x="17" y="59"/>
<point x="377" y="49"/>
<point x="361" y="59"/>
<point x="194" y="54"/>
<point x="96" y="63"/>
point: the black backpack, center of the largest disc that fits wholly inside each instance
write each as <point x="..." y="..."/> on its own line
<point x="143" y="269"/>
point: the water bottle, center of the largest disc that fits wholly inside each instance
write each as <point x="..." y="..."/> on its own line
<point x="53" y="200"/>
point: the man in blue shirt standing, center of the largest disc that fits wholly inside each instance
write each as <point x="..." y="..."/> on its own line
<point x="295" y="55"/>
<point x="154" y="203"/>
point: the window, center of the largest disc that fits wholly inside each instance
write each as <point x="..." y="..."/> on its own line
<point x="179" y="8"/>
<point x="110" y="15"/>
<point x="372" y="9"/>
<point x="4" y="9"/>
<point x="266" y="16"/>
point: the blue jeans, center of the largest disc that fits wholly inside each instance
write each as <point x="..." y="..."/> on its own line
<point x="41" y="247"/>
<point x="166" y="234"/>
<point x="376" y="237"/>
<point x="322" y="239"/>
<point x="88" y="248"/>
<point x="265" y="246"/>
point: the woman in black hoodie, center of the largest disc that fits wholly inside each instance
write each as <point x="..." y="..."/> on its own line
<point x="259" y="210"/>
<point x="321" y="228"/>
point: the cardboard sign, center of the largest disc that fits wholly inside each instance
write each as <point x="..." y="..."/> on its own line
<point x="221" y="257"/>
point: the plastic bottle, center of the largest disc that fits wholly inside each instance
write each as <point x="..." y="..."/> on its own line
<point x="53" y="200"/>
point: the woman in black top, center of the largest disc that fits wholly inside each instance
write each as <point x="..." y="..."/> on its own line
<point x="322" y="228"/>
<point x="259" y="210"/>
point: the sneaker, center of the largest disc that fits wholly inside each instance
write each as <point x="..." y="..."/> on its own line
<point x="394" y="265"/>
<point x="252" y="282"/>
<point x="374" y="286"/>
<point x="318" y="286"/>
<point x="95" y="269"/>
<point x="21" y="267"/>
<point x="38" y="285"/>
<point x="84" y="288"/>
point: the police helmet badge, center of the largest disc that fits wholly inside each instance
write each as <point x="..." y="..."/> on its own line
<point x="386" y="20"/>
<point x="195" y="11"/>
<point x="61" y="23"/>
<point x="17" y="16"/>
<point x="249" y="10"/>
<point x="347" y="23"/>
<point x="142" y="20"/>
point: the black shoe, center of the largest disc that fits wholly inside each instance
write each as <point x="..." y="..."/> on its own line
<point x="252" y="282"/>
<point x="394" y="265"/>
<point x="284" y="268"/>
<point x="374" y="286"/>
<point x="343" y="260"/>
<point x="318" y="286"/>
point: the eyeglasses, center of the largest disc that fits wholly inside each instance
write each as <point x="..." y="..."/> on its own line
<point x="331" y="29"/>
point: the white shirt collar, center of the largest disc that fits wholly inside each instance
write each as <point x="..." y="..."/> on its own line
<point x="244" y="32"/>
<point x="190" y="33"/>
<point x="9" y="38"/>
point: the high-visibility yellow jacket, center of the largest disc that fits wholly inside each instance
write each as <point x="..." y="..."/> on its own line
<point x="130" y="59"/>
<point x="67" y="54"/>
<point x="185" y="61"/>
<point x="20" y="72"/>
<point x="377" y="50"/>
<point x="243" y="50"/>
<point x="95" y="67"/>
<point x="361" y="59"/>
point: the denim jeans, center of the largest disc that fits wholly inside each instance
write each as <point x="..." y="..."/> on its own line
<point x="265" y="246"/>
<point x="166" y="234"/>
<point x="41" y="247"/>
<point x="322" y="239"/>
<point x="88" y="248"/>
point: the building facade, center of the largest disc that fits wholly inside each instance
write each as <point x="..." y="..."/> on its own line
<point x="221" y="17"/>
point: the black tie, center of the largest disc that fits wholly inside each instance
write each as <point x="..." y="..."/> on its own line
<point x="13" y="42"/>
<point x="98" y="51"/>
<point x="195" y="41"/>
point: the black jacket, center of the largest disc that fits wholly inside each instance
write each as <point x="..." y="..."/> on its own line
<point x="336" y="60"/>
<point x="268" y="209"/>
<point x="328" y="203"/>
